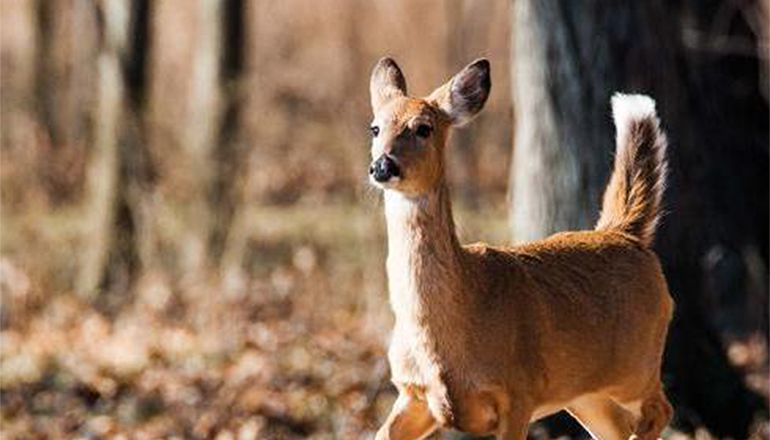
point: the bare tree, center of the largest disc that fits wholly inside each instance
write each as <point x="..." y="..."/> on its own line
<point x="117" y="168"/>
<point x="103" y="171"/>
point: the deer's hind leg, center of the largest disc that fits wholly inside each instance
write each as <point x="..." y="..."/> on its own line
<point x="654" y="412"/>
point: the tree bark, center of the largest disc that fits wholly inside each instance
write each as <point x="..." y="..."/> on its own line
<point x="117" y="169"/>
<point x="567" y="60"/>
<point x="184" y="114"/>
<point x="103" y="168"/>
<point x="67" y="48"/>
<point x="229" y="158"/>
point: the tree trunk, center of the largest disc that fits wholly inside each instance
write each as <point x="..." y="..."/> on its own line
<point x="117" y="167"/>
<point x="103" y="168"/>
<point x="567" y="60"/>
<point x="65" y="75"/>
<point x="184" y="115"/>
<point x="229" y="155"/>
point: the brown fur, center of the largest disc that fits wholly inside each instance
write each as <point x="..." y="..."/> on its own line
<point x="488" y="339"/>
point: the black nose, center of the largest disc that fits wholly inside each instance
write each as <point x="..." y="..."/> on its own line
<point x="384" y="168"/>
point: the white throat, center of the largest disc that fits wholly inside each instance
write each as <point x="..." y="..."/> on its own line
<point x="423" y="252"/>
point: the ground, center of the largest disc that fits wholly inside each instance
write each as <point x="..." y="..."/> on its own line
<point x="291" y="344"/>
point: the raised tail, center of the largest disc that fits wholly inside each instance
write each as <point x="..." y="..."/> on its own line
<point x="632" y="201"/>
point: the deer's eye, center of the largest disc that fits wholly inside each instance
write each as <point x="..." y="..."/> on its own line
<point x="423" y="130"/>
<point x="375" y="130"/>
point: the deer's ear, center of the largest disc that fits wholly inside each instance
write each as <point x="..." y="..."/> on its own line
<point x="463" y="97"/>
<point x="387" y="82"/>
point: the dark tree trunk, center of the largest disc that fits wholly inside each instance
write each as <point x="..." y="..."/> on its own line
<point x="568" y="58"/>
<point x="228" y="154"/>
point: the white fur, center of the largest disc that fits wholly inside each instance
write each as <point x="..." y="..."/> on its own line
<point x="629" y="108"/>
<point x="626" y="108"/>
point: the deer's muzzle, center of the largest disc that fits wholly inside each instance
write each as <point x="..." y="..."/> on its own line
<point x="384" y="169"/>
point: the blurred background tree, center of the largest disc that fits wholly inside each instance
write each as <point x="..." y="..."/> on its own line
<point x="188" y="244"/>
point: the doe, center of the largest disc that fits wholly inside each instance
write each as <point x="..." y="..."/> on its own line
<point x="488" y="339"/>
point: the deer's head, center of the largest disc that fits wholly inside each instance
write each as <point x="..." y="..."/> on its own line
<point x="409" y="134"/>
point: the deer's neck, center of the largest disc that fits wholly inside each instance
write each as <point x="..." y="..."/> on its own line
<point x="424" y="255"/>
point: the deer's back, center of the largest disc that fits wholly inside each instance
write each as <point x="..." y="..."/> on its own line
<point x="581" y="308"/>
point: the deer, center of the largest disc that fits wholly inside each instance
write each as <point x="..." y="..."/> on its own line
<point x="488" y="339"/>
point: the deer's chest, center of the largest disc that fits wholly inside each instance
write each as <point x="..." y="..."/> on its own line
<point x="460" y="405"/>
<point x="410" y="360"/>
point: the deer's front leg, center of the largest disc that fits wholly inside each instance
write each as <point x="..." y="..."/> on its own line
<point x="410" y="419"/>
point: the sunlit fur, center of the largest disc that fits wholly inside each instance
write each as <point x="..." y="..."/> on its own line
<point x="487" y="338"/>
<point x="421" y="160"/>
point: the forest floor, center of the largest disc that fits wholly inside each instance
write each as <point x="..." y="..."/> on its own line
<point x="291" y="345"/>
